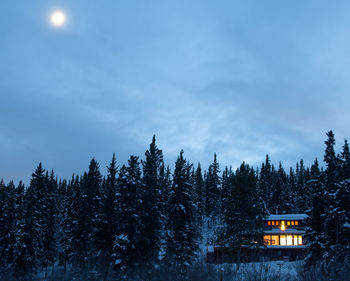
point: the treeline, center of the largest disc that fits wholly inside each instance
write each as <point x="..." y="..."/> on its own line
<point x="142" y="221"/>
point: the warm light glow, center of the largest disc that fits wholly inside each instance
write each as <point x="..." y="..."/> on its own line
<point x="58" y="18"/>
<point x="283" y="227"/>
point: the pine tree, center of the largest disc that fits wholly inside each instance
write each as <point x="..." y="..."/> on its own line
<point x="21" y="259"/>
<point x="182" y="234"/>
<point x="151" y="206"/>
<point x="107" y="224"/>
<point x="199" y="191"/>
<point x="342" y="205"/>
<point x="213" y="204"/>
<point x="28" y="248"/>
<point x="49" y="222"/>
<point x="331" y="222"/>
<point x="66" y="193"/>
<point x="244" y="212"/>
<point x="129" y="242"/>
<point x="213" y="196"/>
<point x="315" y="231"/>
<point x="76" y="229"/>
<point x="265" y="183"/>
<point x="301" y="192"/>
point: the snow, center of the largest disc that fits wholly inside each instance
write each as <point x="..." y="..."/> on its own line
<point x="273" y="270"/>
<point x="347" y="225"/>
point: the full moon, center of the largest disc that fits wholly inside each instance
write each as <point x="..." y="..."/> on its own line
<point x="58" y="18"/>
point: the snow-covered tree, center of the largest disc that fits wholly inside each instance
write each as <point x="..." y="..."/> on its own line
<point x="182" y="242"/>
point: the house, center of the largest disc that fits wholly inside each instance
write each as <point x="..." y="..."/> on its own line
<point x="284" y="231"/>
<point x="283" y="238"/>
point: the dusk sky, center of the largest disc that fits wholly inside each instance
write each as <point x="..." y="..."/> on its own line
<point x="239" y="78"/>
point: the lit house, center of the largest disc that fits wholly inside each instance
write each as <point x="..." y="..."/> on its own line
<point x="283" y="238"/>
<point x="284" y="231"/>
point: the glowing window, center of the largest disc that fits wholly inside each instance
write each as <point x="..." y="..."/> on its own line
<point x="295" y="239"/>
<point x="277" y="222"/>
<point x="283" y="240"/>
<point x="274" y="240"/>
<point x="292" y="222"/>
<point x="273" y="222"/>
<point x="296" y="222"/>
<point x="289" y="240"/>
<point x="269" y="223"/>
<point x="288" y="222"/>
<point x="300" y="238"/>
<point x="267" y="239"/>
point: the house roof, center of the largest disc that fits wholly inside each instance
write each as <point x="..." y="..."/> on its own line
<point x="287" y="217"/>
<point x="286" y="232"/>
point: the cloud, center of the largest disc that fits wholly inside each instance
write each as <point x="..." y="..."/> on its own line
<point x="238" y="78"/>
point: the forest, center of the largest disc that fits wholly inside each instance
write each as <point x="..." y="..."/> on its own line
<point x="142" y="221"/>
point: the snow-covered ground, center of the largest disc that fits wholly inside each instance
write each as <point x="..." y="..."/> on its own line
<point x="276" y="270"/>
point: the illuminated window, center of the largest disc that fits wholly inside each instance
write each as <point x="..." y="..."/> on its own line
<point x="289" y="240"/>
<point x="273" y="222"/>
<point x="283" y="240"/>
<point x="277" y="222"/>
<point x="274" y="240"/>
<point x="296" y="222"/>
<point x="283" y="227"/>
<point x="288" y="222"/>
<point x="267" y="239"/>
<point x="295" y="239"/>
<point x="300" y="238"/>
<point x="269" y="223"/>
<point x="292" y="222"/>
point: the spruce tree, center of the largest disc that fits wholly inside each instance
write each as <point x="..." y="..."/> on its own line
<point x="151" y="206"/>
<point x="244" y="212"/>
<point x="107" y="224"/>
<point x="331" y="178"/>
<point x="129" y="242"/>
<point x="182" y="241"/>
<point x="315" y="222"/>
<point x="199" y="191"/>
<point x="49" y="222"/>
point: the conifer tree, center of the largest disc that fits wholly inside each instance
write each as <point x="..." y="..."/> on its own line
<point x="331" y="222"/>
<point x="92" y="206"/>
<point x="151" y="205"/>
<point x="244" y="211"/>
<point x="49" y="222"/>
<point x="265" y="182"/>
<point x="315" y="230"/>
<point x="199" y="191"/>
<point x="129" y="242"/>
<point x="106" y="226"/>
<point x="182" y="233"/>
<point x="66" y="195"/>
<point x="213" y="182"/>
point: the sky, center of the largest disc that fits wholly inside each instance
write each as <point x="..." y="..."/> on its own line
<point x="238" y="78"/>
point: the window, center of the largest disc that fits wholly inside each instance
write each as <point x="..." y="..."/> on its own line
<point x="273" y="222"/>
<point x="289" y="240"/>
<point x="283" y="240"/>
<point x="274" y="240"/>
<point x="277" y="222"/>
<point x="292" y="222"/>
<point x="295" y="239"/>
<point x="300" y="238"/>
<point x="269" y="223"/>
<point x="267" y="239"/>
<point x="288" y="222"/>
<point x="296" y="222"/>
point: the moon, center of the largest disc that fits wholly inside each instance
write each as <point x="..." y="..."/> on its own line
<point x="58" y="18"/>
